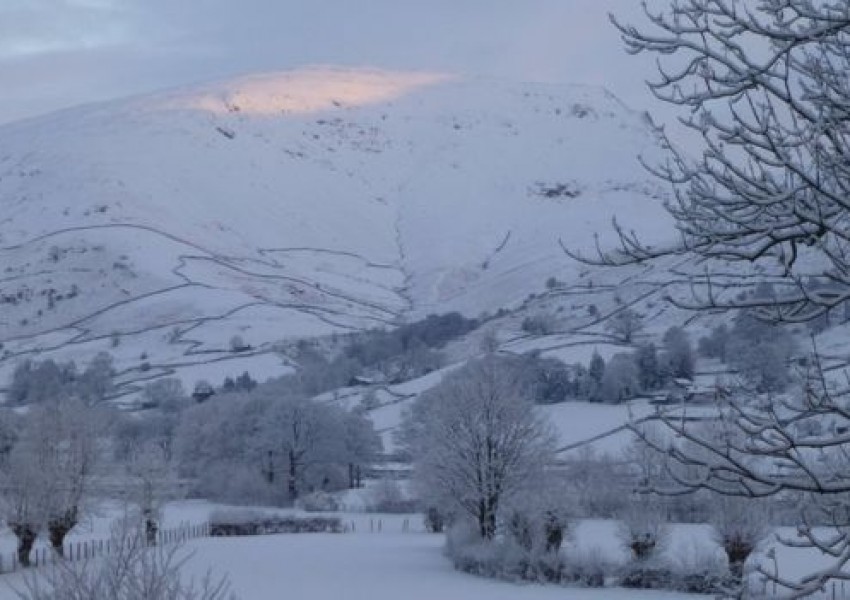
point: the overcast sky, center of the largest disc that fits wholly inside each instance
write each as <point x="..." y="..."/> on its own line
<point x="58" y="53"/>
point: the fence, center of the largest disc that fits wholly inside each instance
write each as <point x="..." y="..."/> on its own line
<point x="82" y="550"/>
<point x="377" y="525"/>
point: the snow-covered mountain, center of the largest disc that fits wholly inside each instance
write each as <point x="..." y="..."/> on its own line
<point x="298" y="204"/>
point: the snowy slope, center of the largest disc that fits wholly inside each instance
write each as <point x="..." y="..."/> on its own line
<point x="296" y="204"/>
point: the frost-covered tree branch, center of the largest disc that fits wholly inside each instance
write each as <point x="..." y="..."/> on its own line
<point x="765" y="87"/>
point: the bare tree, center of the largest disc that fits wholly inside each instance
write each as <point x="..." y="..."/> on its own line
<point x="739" y="525"/>
<point x="767" y="88"/>
<point x="48" y="472"/>
<point x="624" y="325"/>
<point x="476" y="440"/>
<point x="67" y="435"/>
<point x="299" y="435"/>
<point x="643" y="529"/>
<point x="23" y="500"/>
<point x="150" y="481"/>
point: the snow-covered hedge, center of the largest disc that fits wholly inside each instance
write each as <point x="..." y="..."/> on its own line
<point x="247" y="522"/>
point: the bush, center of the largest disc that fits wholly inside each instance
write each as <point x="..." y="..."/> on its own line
<point x="647" y="577"/>
<point x="237" y="344"/>
<point x="318" y="502"/>
<point x="504" y="559"/>
<point x="701" y="570"/>
<point x="714" y="344"/>
<point x="386" y="497"/>
<point x="249" y="522"/>
<point x="539" y="325"/>
<point x="588" y="569"/>
<point x="625" y="325"/>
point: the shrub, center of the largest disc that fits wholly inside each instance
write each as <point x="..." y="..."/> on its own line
<point x="624" y="325"/>
<point x="251" y="522"/>
<point x="387" y="497"/>
<point x="539" y="325"/>
<point x="318" y="502"/>
<point x="237" y="344"/>
<point x="647" y="577"/>
<point x="588" y="568"/>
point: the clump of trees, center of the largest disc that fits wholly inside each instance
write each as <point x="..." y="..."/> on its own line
<point x="760" y="351"/>
<point x="272" y="444"/>
<point x="625" y="324"/>
<point x="626" y="375"/>
<point x="408" y="351"/>
<point x="37" y="382"/>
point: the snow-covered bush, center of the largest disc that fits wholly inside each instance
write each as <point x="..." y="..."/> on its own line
<point x="318" y="502"/>
<point x="386" y="496"/>
<point x="230" y="522"/>
<point x="700" y="569"/>
<point x="625" y="325"/>
<point x="541" y="324"/>
<point x="588" y="567"/>
<point x="502" y="559"/>
<point x="534" y="525"/>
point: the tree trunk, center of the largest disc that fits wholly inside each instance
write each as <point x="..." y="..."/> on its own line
<point x="59" y="527"/>
<point x="270" y="469"/>
<point x="26" y="534"/>
<point x="737" y="552"/>
<point x="151" y="530"/>
<point x="292" y="484"/>
<point x="487" y="517"/>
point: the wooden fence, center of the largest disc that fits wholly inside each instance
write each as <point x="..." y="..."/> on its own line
<point x="82" y="550"/>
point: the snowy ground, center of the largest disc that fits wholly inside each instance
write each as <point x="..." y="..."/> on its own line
<point x="390" y="556"/>
<point x="363" y="564"/>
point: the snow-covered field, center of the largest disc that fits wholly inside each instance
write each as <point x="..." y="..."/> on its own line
<point x="391" y="556"/>
<point x="364" y="564"/>
<point x="393" y="562"/>
<point x="384" y="566"/>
